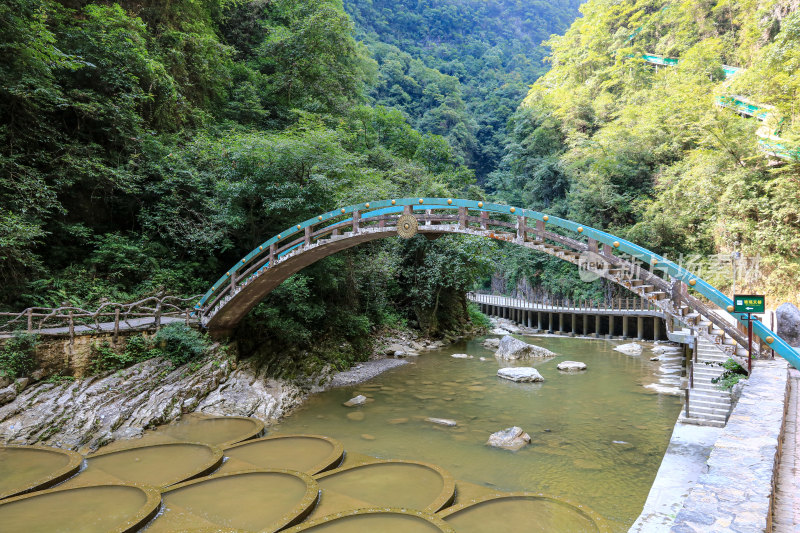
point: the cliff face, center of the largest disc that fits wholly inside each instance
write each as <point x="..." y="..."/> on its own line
<point x="86" y="414"/>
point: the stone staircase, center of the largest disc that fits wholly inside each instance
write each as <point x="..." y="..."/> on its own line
<point x="708" y="405"/>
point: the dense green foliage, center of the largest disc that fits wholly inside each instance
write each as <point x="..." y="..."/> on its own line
<point x="605" y="139"/>
<point x="17" y="355"/>
<point x="175" y="342"/>
<point x="459" y="68"/>
<point x="146" y="146"/>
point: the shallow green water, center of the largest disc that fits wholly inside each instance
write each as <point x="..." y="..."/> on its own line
<point x="573" y="420"/>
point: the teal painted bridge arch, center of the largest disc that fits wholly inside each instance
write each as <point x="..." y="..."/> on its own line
<point x="248" y="281"/>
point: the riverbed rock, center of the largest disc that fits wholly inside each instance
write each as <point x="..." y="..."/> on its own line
<point x="461" y="356"/>
<point x="7" y="394"/>
<point x="393" y="348"/>
<point x="442" y="421"/>
<point x="571" y="366"/>
<point x="788" y="317"/>
<point x="511" y="348"/>
<point x="358" y="400"/>
<point x="499" y="331"/>
<point x="520" y="374"/>
<point x="512" y="438"/>
<point x="85" y="414"/>
<point x="491" y="344"/>
<point x="356" y="416"/>
<point x="666" y="349"/>
<point x="631" y="348"/>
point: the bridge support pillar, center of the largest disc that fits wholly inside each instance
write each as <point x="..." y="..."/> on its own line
<point x="530" y="319"/>
<point x="656" y="328"/>
<point x="550" y="323"/>
<point x="610" y="326"/>
<point x="561" y="323"/>
<point x="597" y="326"/>
<point x="539" y="318"/>
<point x="585" y="324"/>
<point x="640" y="327"/>
<point x="574" y="324"/>
<point x="624" y="326"/>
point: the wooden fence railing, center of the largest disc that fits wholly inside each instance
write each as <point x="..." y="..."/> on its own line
<point x="109" y="317"/>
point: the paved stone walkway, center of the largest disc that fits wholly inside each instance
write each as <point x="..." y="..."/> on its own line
<point x="786" y="507"/>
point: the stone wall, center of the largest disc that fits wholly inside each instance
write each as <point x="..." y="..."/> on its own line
<point x="735" y="492"/>
<point x="57" y="355"/>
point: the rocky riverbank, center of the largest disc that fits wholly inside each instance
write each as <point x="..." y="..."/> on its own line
<point x="84" y="414"/>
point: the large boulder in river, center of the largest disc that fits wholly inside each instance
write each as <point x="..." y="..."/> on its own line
<point x="520" y="374"/>
<point x="511" y="348"/>
<point x="788" y="317"/>
<point x="629" y="349"/>
<point x="512" y="438"/>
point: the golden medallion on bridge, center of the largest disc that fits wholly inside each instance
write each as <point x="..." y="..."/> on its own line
<point x="406" y="226"/>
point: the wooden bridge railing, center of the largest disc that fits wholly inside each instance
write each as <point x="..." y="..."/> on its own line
<point x="108" y="317"/>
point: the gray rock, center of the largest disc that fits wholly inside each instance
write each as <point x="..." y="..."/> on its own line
<point x="512" y="438"/>
<point x="8" y="394"/>
<point x="461" y="356"/>
<point x="491" y="344"/>
<point x="511" y="348"/>
<point x="499" y="331"/>
<point x="85" y="414"/>
<point x="393" y="348"/>
<point x="358" y="400"/>
<point x="629" y="349"/>
<point x="21" y="384"/>
<point x="520" y="374"/>
<point x="38" y="375"/>
<point x="788" y="317"/>
<point x="571" y="366"/>
<point x="5" y="382"/>
<point x="442" y="421"/>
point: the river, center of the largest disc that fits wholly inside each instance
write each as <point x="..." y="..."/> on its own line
<point x="597" y="436"/>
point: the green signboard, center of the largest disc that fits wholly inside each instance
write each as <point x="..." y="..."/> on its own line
<point x="747" y="303"/>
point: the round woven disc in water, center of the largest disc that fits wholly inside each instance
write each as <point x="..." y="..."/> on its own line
<point x="158" y="465"/>
<point x="395" y="484"/>
<point x="258" y="500"/>
<point x="524" y="513"/>
<point x="27" y="468"/>
<point x="93" y="509"/>
<point x="306" y="453"/>
<point x="376" y="520"/>
<point x="219" y="431"/>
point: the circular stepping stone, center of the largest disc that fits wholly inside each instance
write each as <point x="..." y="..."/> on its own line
<point x="28" y="468"/>
<point x="383" y="520"/>
<point x="95" y="509"/>
<point x="311" y="454"/>
<point x="258" y="500"/>
<point x="219" y="431"/>
<point x="158" y="465"/>
<point x="522" y="513"/>
<point x="407" y="484"/>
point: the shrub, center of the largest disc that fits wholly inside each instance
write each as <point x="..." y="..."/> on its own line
<point x="478" y="318"/>
<point x="180" y="344"/>
<point x="733" y="373"/>
<point x="17" y="355"/>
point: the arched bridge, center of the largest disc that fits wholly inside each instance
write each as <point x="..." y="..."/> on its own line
<point x="666" y="284"/>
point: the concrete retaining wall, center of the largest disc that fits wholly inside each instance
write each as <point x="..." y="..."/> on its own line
<point x="735" y="491"/>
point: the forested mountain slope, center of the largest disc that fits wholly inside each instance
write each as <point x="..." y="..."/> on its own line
<point x="145" y="146"/>
<point x="459" y="68"/>
<point x="606" y="139"/>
